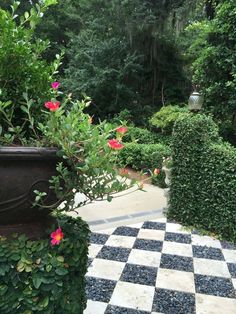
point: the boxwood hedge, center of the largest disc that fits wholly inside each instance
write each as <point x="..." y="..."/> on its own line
<point x="36" y="277"/>
<point x="145" y="157"/>
<point x="203" y="181"/>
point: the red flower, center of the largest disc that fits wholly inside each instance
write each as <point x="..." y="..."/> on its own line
<point x="55" y="85"/>
<point x="52" y="105"/>
<point x="122" y="130"/>
<point x="156" y="171"/>
<point x="114" y="144"/>
<point x="123" y="172"/>
<point x="57" y="236"/>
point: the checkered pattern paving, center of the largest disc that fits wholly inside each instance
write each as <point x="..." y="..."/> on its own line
<point x="158" y="267"/>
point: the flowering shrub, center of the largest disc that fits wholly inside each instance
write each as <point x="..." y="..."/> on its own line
<point x="88" y="153"/>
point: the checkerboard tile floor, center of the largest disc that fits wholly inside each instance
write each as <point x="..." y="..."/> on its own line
<point x="158" y="267"/>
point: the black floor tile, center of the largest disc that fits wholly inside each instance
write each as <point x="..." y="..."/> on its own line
<point x="207" y="252"/>
<point x="178" y="237"/>
<point x="217" y="286"/>
<point x="232" y="269"/>
<point x="98" y="238"/>
<point x="154" y="225"/>
<point x="143" y="275"/>
<point x="148" y="245"/>
<point x="126" y="231"/>
<point x="99" y="289"/>
<point x="176" y="262"/>
<point x="173" y="302"/>
<point x="114" y="253"/>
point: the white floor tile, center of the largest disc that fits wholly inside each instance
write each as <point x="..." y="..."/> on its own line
<point x="229" y="255"/>
<point x="162" y="220"/>
<point x="176" y="228"/>
<point x="175" y="248"/>
<point x="106" y="231"/>
<point x="123" y="241"/>
<point x="210" y="267"/>
<point x="106" y="269"/>
<point x="208" y="304"/>
<point x="136" y="225"/>
<point x="234" y="283"/>
<point x="146" y="258"/>
<point x="205" y="241"/>
<point x="95" y="307"/>
<point x="175" y="280"/>
<point x="151" y="234"/>
<point x="135" y="296"/>
<point x="94" y="249"/>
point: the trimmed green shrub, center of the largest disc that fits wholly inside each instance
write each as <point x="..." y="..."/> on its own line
<point x="145" y="157"/>
<point x="203" y="181"/>
<point x="165" y="118"/>
<point x="144" y="136"/>
<point x="36" y="277"/>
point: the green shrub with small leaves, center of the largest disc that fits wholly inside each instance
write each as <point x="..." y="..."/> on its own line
<point x="203" y="181"/>
<point x="165" y="118"/>
<point x="144" y="136"/>
<point x="145" y="157"/>
<point x="36" y="277"/>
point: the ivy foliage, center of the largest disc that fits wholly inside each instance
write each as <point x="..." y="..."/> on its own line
<point x="36" y="277"/>
<point x="203" y="179"/>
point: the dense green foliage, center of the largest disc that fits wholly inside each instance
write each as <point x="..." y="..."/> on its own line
<point x="203" y="179"/>
<point x="144" y="136"/>
<point x="165" y="118"/>
<point x="22" y="67"/>
<point x="126" y="56"/>
<point x="213" y="55"/>
<point x="145" y="157"/>
<point x="36" y="277"/>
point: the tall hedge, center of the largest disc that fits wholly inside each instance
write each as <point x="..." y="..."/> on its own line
<point x="36" y="277"/>
<point x="203" y="180"/>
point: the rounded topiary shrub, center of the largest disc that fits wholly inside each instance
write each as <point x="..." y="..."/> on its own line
<point x="37" y="277"/>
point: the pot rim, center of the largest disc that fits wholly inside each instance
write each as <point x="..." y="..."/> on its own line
<point x="22" y="152"/>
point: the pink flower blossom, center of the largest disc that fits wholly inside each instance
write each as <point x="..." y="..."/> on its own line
<point x="55" y="85"/>
<point x="52" y="105"/>
<point x="122" y="130"/>
<point x="57" y="236"/>
<point x="156" y="171"/>
<point x="115" y="144"/>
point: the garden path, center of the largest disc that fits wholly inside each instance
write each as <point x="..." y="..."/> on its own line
<point x="134" y="207"/>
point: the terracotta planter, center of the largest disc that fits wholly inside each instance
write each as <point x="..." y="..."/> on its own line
<point x="23" y="170"/>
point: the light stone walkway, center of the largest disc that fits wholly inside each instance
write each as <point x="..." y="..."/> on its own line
<point x="124" y="208"/>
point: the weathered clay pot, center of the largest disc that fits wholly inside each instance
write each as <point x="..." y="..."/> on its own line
<point x="23" y="170"/>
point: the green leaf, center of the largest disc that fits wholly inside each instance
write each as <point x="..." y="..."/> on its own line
<point x="61" y="271"/>
<point x="60" y="259"/>
<point x="44" y="303"/>
<point x="37" y="281"/>
<point x="26" y="15"/>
